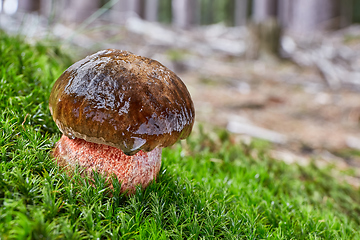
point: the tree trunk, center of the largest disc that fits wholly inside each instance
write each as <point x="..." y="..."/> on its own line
<point x="346" y="13"/>
<point x="263" y="10"/>
<point x="54" y="10"/>
<point x="29" y="5"/>
<point x="151" y="10"/>
<point x="265" y="30"/>
<point x="45" y="7"/>
<point x="79" y="10"/>
<point x="241" y="7"/>
<point x="285" y="12"/>
<point x="125" y="9"/>
<point x="184" y="13"/>
<point x="264" y="39"/>
<point x="310" y="15"/>
<point x="305" y="15"/>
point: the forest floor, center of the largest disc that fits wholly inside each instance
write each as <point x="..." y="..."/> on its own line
<point x="306" y="123"/>
<point x="276" y="100"/>
<point x="211" y="186"/>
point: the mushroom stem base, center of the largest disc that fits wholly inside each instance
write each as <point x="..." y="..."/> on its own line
<point x="140" y="168"/>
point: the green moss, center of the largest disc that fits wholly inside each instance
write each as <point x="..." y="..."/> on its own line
<point x="209" y="186"/>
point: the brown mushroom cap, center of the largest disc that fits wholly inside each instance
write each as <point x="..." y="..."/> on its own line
<point x="119" y="99"/>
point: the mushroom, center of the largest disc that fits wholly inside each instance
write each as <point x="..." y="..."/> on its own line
<point x="117" y="111"/>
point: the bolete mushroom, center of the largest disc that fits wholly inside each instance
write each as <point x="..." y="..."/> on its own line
<point x="117" y="111"/>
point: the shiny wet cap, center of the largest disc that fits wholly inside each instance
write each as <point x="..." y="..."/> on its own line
<point x="119" y="99"/>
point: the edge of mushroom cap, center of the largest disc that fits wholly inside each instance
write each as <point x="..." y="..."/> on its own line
<point x="59" y="102"/>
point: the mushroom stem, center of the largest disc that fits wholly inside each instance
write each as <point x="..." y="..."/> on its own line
<point x="140" y="168"/>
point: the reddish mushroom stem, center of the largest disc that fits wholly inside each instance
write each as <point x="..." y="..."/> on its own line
<point x="140" y="168"/>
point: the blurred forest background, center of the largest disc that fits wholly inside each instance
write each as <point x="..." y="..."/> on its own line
<point x="296" y="15"/>
<point x="286" y="71"/>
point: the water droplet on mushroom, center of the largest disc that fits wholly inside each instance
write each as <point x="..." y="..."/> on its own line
<point x="138" y="143"/>
<point x="69" y="135"/>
